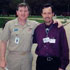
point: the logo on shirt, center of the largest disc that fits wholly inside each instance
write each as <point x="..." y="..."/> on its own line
<point x="29" y="29"/>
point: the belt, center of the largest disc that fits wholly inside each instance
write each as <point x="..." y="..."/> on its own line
<point x="48" y="58"/>
<point x="19" y="53"/>
<point x="23" y="53"/>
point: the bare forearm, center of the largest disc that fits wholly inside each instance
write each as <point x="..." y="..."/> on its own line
<point x="2" y="54"/>
<point x="2" y="50"/>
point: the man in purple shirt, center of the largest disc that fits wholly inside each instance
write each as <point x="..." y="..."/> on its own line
<point x="52" y="49"/>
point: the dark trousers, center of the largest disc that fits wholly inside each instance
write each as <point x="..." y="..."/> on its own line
<point x="47" y="63"/>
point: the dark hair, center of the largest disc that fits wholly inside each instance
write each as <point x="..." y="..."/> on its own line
<point x="23" y="5"/>
<point x="47" y="5"/>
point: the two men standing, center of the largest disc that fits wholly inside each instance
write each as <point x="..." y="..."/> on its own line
<point x="52" y="47"/>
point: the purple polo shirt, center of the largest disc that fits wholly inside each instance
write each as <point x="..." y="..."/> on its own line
<point x="59" y="48"/>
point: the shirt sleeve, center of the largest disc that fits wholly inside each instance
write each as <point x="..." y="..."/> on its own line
<point x="6" y="33"/>
<point x="36" y="24"/>
<point x="64" y="53"/>
<point x="34" y="37"/>
<point x="35" y="28"/>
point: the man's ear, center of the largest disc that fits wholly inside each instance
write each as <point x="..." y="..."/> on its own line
<point x="16" y="13"/>
<point x="53" y="14"/>
<point x="41" y="14"/>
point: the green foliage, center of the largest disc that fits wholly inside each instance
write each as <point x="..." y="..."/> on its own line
<point x="35" y="16"/>
<point x="3" y="21"/>
<point x="39" y="19"/>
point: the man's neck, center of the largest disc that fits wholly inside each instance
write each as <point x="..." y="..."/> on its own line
<point x="21" y="22"/>
<point x="49" y="23"/>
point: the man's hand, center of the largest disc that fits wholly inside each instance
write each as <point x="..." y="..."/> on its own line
<point x="60" y="69"/>
<point x="2" y="63"/>
<point x="59" y="23"/>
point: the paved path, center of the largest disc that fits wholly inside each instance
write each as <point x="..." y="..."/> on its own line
<point x="67" y="28"/>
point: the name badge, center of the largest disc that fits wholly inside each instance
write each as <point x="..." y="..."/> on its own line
<point x="17" y="40"/>
<point x="52" y="40"/>
<point x="15" y="29"/>
<point x="46" y="40"/>
<point x="49" y="40"/>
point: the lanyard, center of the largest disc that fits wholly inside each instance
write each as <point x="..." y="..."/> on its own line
<point x="48" y="29"/>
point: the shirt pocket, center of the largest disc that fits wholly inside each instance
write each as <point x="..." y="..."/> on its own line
<point x="15" y="31"/>
<point x="29" y="31"/>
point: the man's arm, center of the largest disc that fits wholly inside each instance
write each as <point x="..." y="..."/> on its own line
<point x="64" y="49"/>
<point x="34" y="37"/>
<point x="6" y="33"/>
<point x="2" y="54"/>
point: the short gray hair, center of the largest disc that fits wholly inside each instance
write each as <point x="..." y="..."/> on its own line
<point x="23" y="5"/>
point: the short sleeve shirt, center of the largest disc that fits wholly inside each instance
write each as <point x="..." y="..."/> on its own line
<point x="19" y="37"/>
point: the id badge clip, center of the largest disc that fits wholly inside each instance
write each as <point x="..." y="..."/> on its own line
<point x="17" y="40"/>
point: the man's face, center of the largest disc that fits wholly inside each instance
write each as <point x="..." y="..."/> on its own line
<point x="22" y="13"/>
<point x="47" y="14"/>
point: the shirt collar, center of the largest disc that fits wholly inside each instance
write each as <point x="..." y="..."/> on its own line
<point x="17" y="23"/>
<point x="47" y="26"/>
